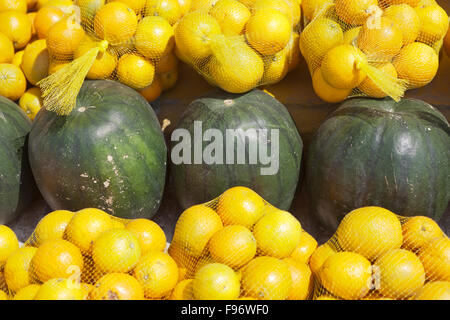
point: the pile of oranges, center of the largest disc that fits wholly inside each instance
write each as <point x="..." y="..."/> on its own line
<point x="240" y="247"/>
<point x="376" y="255"/>
<point x="374" y="48"/>
<point x="87" y="254"/>
<point x="39" y="37"/>
<point x="238" y="45"/>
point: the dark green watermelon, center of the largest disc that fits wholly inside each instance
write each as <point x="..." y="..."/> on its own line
<point x="202" y="181"/>
<point x="17" y="187"/>
<point x="380" y="153"/>
<point x="108" y="153"/>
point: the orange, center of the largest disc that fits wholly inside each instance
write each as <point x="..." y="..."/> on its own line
<point x="418" y="231"/>
<point x="285" y="7"/>
<point x="45" y="19"/>
<point x="13" y="5"/>
<point x="116" y="250"/>
<point x="64" y="5"/>
<point x="117" y="224"/>
<point x="371" y="88"/>
<point x="31" y="102"/>
<point x="435" y="257"/>
<point x="400" y="273"/>
<point x="233" y="246"/>
<point x="321" y="35"/>
<point x="12" y="81"/>
<point x="16" y="268"/>
<point x="293" y="53"/>
<point x="354" y="12"/>
<point x="326" y="92"/>
<point x="311" y="8"/>
<point x="240" y="205"/>
<point x="150" y="235"/>
<point x="302" y="280"/>
<point x="183" y="290"/>
<point x="63" y="38"/>
<point x="157" y="272"/>
<point x="86" y="226"/>
<point x="17" y="27"/>
<point x="115" y="22"/>
<point x="319" y="256"/>
<point x="137" y="5"/>
<point x="6" y="49"/>
<point x="8" y="243"/>
<point x="305" y="248"/>
<point x="35" y="61"/>
<point x="346" y="275"/>
<point x="193" y="35"/>
<point x="231" y="15"/>
<point x="168" y="9"/>
<point x="216" y="281"/>
<point x="276" y="68"/>
<point x="417" y="63"/>
<point x="267" y="278"/>
<point x="204" y="5"/>
<point x="56" y="65"/>
<point x="18" y="57"/>
<point x="438" y="290"/>
<point x="103" y="66"/>
<point x="153" y="91"/>
<point x="117" y="286"/>
<point x="56" y="258"/>
<point x="370" y="231"/>
<point x="340" y="67"/>
<point x="382" y="41"/>
<point x="135" y="71"/>
<point x="277" y="233"/>
<point x="351" y="36"/>
<point x="406" y="19"/>
<point x="59" y="289"/>
<point x="228" y="67"/>
<point x="194" y="228"/>
<point x="27" y="293"/>
<point x="167" y="63"/>
<point x="154" y="37"/>
<point x="169" y="79"/>
<point x="434" y="23"/>
<point x="268" y="31"/>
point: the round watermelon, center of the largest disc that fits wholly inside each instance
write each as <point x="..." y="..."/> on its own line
<point x="17" y="187"/>
<point x="224" y="140"/>
<point x="108" y="153"/>
<point x="380" y="153"/>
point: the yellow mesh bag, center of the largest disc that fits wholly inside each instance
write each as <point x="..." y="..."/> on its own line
<point x="238" y="45"/>
<point x="377" y="255"/>
<point x="130" y="41"/>
<point x="371" y="48"/>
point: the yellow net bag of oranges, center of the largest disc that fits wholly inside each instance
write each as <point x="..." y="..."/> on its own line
<point x="130" y="41"/>
<point x="377" y="255"/>
<point x="238" y="45"/>
<point x="374" y="48"/>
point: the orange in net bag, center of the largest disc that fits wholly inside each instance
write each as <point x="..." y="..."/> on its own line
<point x="378" y="255"/>
<point x="128" y="41"/>
<point x="239" y="45"/>
<point x="374" y="48"/>
<point x="238" y="246"/>
<point x="87" y="255"/>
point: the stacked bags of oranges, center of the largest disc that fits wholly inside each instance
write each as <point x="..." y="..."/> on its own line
<point x="238" y="45"/>
<point x="374" y="48"/>
<point x="240" y="247"/>
<point x="377" y="255"/>
<point x="130" y="41"/>
<point x="87" y="255"/>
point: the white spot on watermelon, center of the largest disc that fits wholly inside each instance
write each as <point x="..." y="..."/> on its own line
<point x="106" y="183"/>
<point x="84" y="175"/>
<point x="110" y="158"/>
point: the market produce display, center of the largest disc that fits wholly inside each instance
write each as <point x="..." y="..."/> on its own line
<point x="239" y="45"/>
<point x="377" y="255"/>
<point x="380" y="153"/>
<point x="16" y="182"/>
<point x="371" y="48"/>
<point x="108" y="153"/>
<point x="269" y="124"/>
